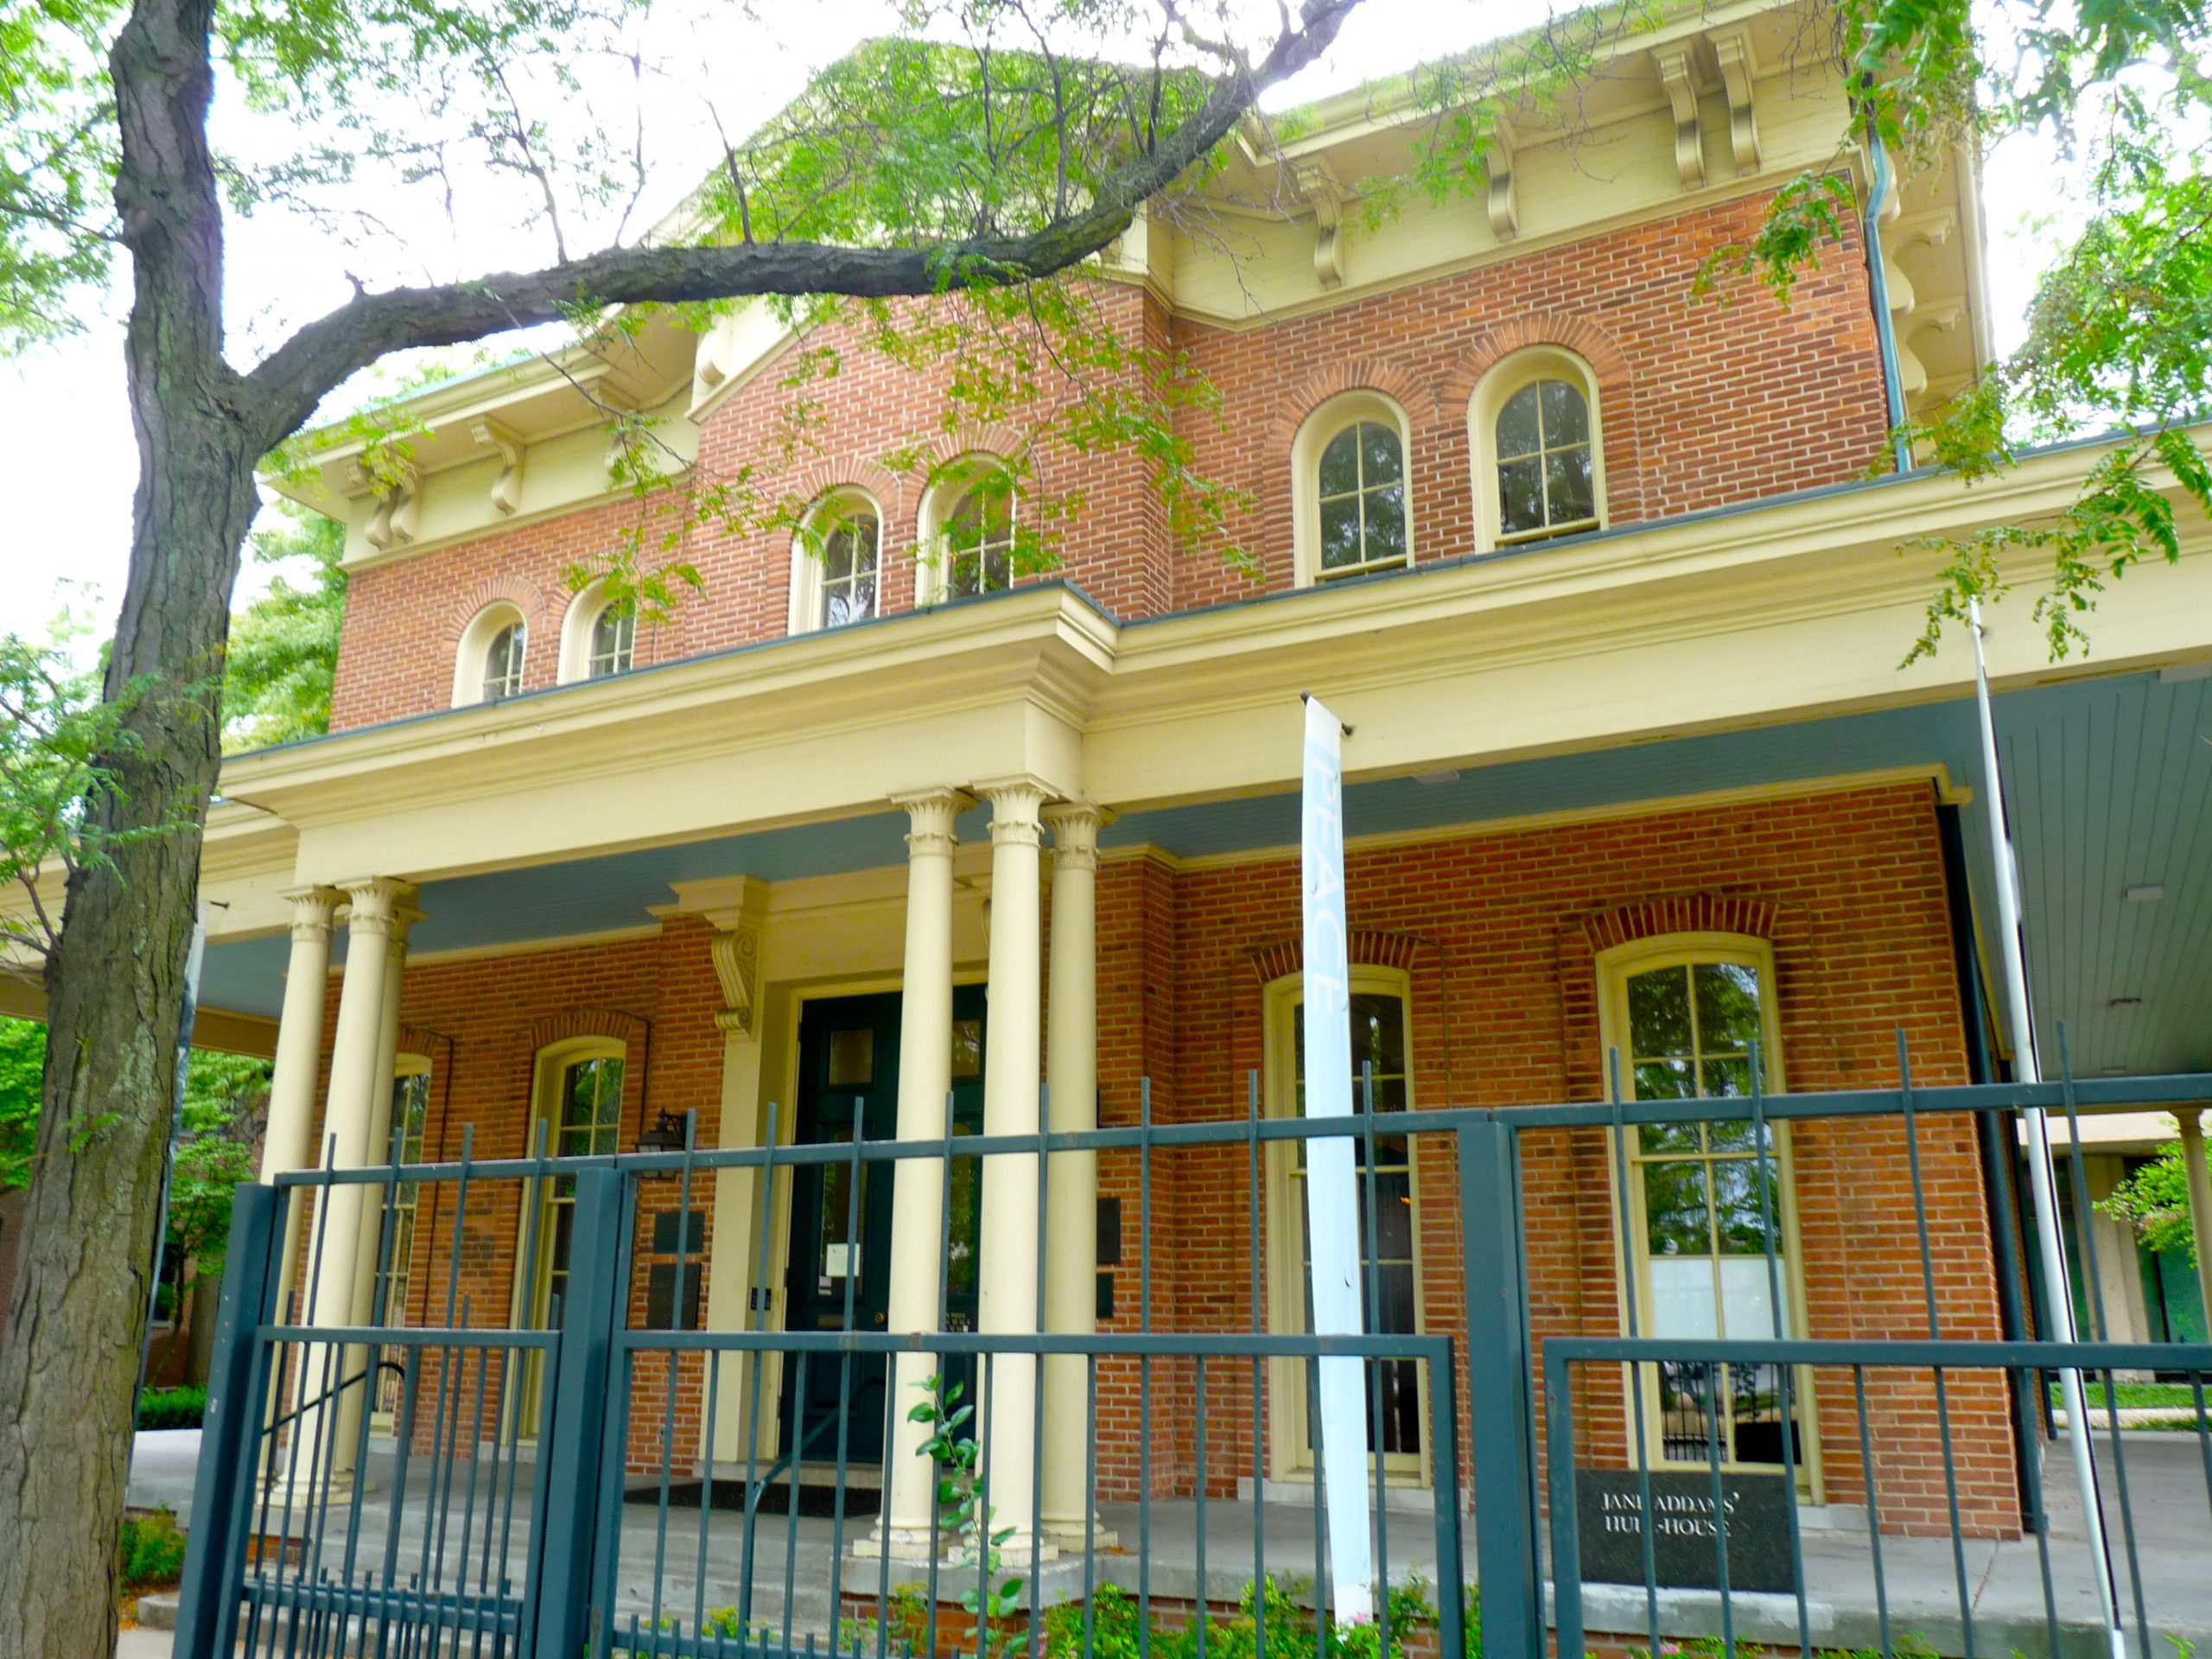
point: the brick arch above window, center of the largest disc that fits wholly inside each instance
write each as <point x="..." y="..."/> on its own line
<point x="610" y="1023"/>
<point x="1697" y="913"/>
<point x="821" y="478"/>
<point x="1367" y="947"/>
<point x="520" y="592"/>
<point x="1380" y="374"/>
<point x="1564" y="332"/>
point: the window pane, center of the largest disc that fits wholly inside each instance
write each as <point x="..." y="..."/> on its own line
<point x="1385" y="523"/>
<point x="1517" y="431"/>
<point x="1378" y="1034"/>
<point x="1726" y="1079"/>
<point x="1665" y="1080"/>
<point x="967" y="1048"/>
<point x="1659" y="1013"/>
<point x="1380" y="457"/>
<point x="860" y="601"/>
<point x="837" y="556"/>
<point x="852" y="1056"/>
<point x="1674" y="1210"/>
<point x="1567" y="419"/>
<point x="1340" y="533"/>
<point x="1727" y="1005"/>
<point x="1568" y="482"/>
<point x="1521" y="495"/>
<point x="1340" y="463"/>
<point x="1736" y="1206"/>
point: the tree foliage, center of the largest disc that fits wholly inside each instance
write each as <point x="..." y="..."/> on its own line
<point x="2154" y="1199"/>
<point x="282" y="655"/>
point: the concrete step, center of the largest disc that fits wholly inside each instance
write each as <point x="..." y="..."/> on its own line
<point x="158" y="1609"/>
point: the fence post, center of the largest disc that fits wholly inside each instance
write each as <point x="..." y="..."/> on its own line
<point x="567" y="1530"/>
<point x="222" y="1489"/>
<point x="1498" y="1393"/>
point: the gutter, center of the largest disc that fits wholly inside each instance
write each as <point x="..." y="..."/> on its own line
<point x="1877" y="274"/>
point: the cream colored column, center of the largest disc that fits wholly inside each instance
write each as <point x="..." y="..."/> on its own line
<point x="336" y="1231"/>
<point x="918" y="1185"/>
<point x="376" y="1149"/>
<point x="1009" y="1265"/>
<point x="288" y="1141"/>
<point x="2200" y="1199"/>
<point x="1071" y="1178"/>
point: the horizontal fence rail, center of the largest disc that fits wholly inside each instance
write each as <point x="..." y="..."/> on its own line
<point x="586" y="1424"/>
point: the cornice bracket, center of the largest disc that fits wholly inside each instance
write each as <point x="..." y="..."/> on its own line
<point x="1498" y="163"/>
<point x="506" y="489"/>
<point x="1317" y="187"/>
<point x="1732" y="48"/>
<point x="1679" y="77"/>
<point x="399" y="512"/>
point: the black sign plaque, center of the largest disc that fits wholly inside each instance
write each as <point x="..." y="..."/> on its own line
<point x="1609" y="1511"/>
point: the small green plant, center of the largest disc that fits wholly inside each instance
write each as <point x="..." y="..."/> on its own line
<point x="178" y="1407"/>
<point x="902" y="1629"/>
<point x="153" y="1550"/>
<point x="965" y="1507"/>
<point x="1269" y="1623"/>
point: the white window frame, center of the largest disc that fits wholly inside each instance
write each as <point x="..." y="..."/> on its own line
<point x="1522" y="369"/>
<point x="1615" y="968"/>
<point x="1321" y="427"/>
<point x="469" y="661"/>
<point x="1289" y="1455"/>
<point x="933" y="568"/>
<point x="396" y="1239"/>
<point x="809" y="585"/>
<point x="579" y="625"/>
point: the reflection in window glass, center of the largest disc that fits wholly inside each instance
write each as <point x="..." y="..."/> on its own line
<point x="967" y="1049"/>
<point x="848" y="569"/>
<point x="613" y="641"/>
<point x="503" y="661"/>
<point x="1547" y="479"/>
<point x="1378" y="1060"/>
<point x="1363" y="500"/>
<point x="979" y="538"/>
<point x="852" y="1056"/>
<point x="1712" y="1198"/>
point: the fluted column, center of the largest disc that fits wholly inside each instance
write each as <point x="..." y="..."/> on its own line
<point x="1010" y="1265"/>
<point x="918" y="1185"/>
<point x="1071" y="1178"/>
<point x="336" y="1235"/>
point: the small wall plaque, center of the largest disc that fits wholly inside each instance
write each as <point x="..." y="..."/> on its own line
<point x="1685" y="1553"/>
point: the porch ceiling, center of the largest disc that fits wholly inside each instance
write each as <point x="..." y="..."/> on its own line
<point x="2110" y="781"/>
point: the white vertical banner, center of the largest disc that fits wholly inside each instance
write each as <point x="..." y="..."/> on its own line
<point x="1332" y="1188"/>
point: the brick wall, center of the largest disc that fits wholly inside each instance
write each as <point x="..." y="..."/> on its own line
<point x="1701" y="404"/>
<point x="1498" y="933"/>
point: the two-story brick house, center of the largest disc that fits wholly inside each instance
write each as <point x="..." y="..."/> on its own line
<point x="1595" y="570"/>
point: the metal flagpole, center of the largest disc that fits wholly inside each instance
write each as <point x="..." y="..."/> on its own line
<point x="2042" y="1182"/>
<point x="1331" y="1193"/>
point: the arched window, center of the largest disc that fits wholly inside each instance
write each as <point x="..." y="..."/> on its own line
<point x="1538" y="462"/>
<point x="577" y="1098"/>
<point x="1351" y="512"/>
<point x="969" y="527"/>
<point x="598" y="636"/>
<point x="1706" y="1195"/>
<point x="613" y="638"/>
<point x="489" y="665"/>
<point x="835" y="560"/>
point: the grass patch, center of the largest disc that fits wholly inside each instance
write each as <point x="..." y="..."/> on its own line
<point x="181" y="1407"/>
<point x="2178" y="1397"/>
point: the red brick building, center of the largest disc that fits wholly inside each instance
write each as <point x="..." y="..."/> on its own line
<point x="1593" y="569"/>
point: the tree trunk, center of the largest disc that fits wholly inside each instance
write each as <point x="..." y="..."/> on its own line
<point x="79" y="1308"/>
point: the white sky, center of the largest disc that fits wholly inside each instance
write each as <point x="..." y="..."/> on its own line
<point x="65" y="428"/>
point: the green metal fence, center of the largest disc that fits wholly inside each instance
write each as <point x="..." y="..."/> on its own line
<point x="570" y="1485"/>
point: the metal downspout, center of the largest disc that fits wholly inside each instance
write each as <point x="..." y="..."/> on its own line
<point x="1878" y="274"/>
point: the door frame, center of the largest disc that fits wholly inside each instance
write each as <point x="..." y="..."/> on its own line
<point x="1288" y="1406"/>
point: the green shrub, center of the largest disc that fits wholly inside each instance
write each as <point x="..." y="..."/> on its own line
<point x="181" y="1407"/>
<point x="1289" y="1627"/>
<point x="153" y="1550"/>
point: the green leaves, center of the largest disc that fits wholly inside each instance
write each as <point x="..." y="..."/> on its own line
<point x="282" y="655"/>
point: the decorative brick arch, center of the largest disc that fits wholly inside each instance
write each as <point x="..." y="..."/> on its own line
<point x="1577" y="335"/>
<point x="1367" y="947"/>
<point x="1377" y="374"/>
<point x="1583" y="937"/>
<point x="612" y="1023"/>
<point x="520" y="592"/>
<point x="824" y="478"/>
<point x="973" y="437"/>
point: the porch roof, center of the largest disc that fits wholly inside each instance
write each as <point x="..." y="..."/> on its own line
<point x="2110" y="781"/>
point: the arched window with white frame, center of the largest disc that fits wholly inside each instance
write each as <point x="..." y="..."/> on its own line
<point x="1352" y="506"/>
<point x="1711" y="1203"/>
<point x="1539" y="451"/>
<point x="598" y="636"/>
<point x="836" y="558"/>
<point x="968" y="530"/>
<point x="493" y="648"/>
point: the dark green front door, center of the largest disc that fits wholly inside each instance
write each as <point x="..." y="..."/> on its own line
<point x="841" y="1233"/>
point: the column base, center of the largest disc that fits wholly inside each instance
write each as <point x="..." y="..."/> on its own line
<point x="1070" y="1535"/>
<point x="911" y="1545"/>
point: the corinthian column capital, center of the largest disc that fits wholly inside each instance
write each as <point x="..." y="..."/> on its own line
<point x="372" y="905"/>
<point x="312" y="909"/>
<point x="931" y="816"/>
<point x="1075" y="826"/>
<point x="1015" y="805"/>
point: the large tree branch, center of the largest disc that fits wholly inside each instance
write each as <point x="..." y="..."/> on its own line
<point x="285" y="390"/>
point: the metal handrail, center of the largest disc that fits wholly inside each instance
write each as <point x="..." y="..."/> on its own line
<point x="790" y="1458"/>
<point x="335" y="1389"/>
